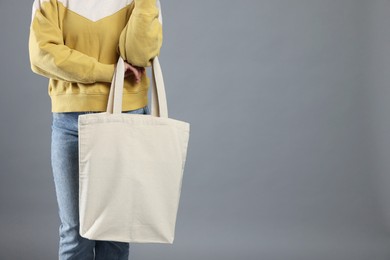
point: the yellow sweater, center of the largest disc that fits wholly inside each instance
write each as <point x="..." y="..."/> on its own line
<point x="76" y="44"/>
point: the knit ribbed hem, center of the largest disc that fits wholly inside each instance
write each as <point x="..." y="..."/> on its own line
<point x="95" y="102"/>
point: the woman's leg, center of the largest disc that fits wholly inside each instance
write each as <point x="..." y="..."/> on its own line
<point x="64" y="160"/>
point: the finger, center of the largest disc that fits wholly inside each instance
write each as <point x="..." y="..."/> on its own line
<point x="137" y="71"/>
<point x="141" y="71"/>
<point x="134" y="71"/>
<point x="136" y="74"/>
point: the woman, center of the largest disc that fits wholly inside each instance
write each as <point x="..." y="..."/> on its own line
<point x="76" y="44"/>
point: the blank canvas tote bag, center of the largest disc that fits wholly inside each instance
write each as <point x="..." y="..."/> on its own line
<point x="131" y="168"/>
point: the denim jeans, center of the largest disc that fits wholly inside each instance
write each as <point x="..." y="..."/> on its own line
<point x="64" y="162"/>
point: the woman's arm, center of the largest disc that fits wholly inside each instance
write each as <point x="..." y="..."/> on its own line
<point x="50" y="57"/>
<point x="141" y="39"/>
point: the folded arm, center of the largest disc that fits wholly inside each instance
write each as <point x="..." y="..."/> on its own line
<point x="141" y="39"/>
<point x="50" y="57"/>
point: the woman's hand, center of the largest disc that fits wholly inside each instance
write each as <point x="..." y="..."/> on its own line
<point x="135" y="71"/>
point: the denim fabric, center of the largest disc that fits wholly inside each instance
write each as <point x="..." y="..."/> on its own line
<point x="64" y="162"/>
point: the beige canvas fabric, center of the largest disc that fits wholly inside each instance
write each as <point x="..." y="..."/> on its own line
<point x="131" y="168"/>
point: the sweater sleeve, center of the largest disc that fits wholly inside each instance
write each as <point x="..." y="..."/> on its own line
<point x="141" y="39"/>
<point x="50" y="57"/>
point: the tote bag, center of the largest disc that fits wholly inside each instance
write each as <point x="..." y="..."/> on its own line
<point x="131" y="168"/>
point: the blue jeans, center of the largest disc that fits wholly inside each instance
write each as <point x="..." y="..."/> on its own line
<point x="64" y="162"/>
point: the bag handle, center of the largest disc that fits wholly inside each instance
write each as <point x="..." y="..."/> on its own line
<point x="159" y="100"/>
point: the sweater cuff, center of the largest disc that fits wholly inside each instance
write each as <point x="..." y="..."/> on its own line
<point x="104" y="72"/>
<point x="145" y="7"/>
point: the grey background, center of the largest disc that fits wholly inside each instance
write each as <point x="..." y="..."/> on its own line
<point x="289" y="105"/>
